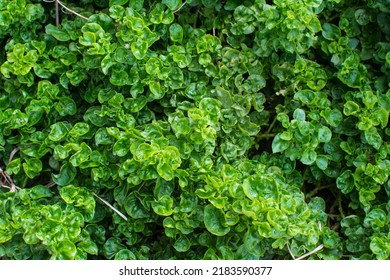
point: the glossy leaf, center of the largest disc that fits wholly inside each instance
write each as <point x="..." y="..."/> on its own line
<point x="163" y="206"/>
<point x="66" y="176"/>
<point x="214" y="220"/>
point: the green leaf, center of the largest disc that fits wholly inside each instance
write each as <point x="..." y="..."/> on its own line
<point x="32" y="167"/>
<point x="69" y="193"/>
<point x="47" y="89"/>
<point x="299" y="115"/>
<point x="66" y="176"/>
<point x="379" y="247"/>
<point x="81" y="156"/>
<point x="172" y="4"/>
<point x="362" y="16"/>
<point x="134" y="208"/>
<point x="139" y="48"/>
<point x="76" y="76"/>
<point x="332" y="116"/>
<point x="324" y="134"/>
<point x="40" y="191"/>
<point x="121" y="147"/>
<point x="176" y="32"/>
<point x="18" y="119"/>
<point x="351" y="108"/>
<point x="322" y="162"/>
<point x="260" y="186"/>
<point x="125" y="254"/>
<point x="180" y="126"/>
<point x="112" y="246"/>
<point x="277" y="219"/>
<point x="309" y="156"/>
<point x="102" y="137"/>
<point x="156" y="90"/>
<point x="288" y="204"/>
<point x="376" y="219"/>
<point x="373" y="138"/>
<point x="14" y="166"/>
<point x="345" y="182"/>
<point x="165" y="170"/>
<point x="65" y="106"/>
<point x="163" y="206"/>
<point x="79" y="129"/>
<point x="106" y="63"/>
<point x="366" y="196"/>
<point x="57" y="33"/>
<point x="65" y="250"/>
<point x="5" y="19"/>
<point x="88" y="246"/>
<point x="119" y="77"/>
<point x="153" y="66"/>
<point x="118" y="2"/>
<point x="254" y="83"/>
<point x="330" y="31"/>
<point x="214" y="220"/>
<point x="143" y="151"/>
<point x="279" y="145"/>
<point x="252" y="242"/>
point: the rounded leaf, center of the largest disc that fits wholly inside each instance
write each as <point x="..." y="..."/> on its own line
<point x="260" y="186"/>
<point x="163" y="206"/>
<point x="65" y="250"/>
<point x="214" y="220"/>
<point x="182" y="244"/>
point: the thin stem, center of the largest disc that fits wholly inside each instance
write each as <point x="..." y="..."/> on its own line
<point x="51" y="184"/>
<point x="112" y="207"/>
<point x="14" y="151"/>
<point x="71" y="11"/>
<point x="271" y="126"/>
<point x="57" y="13"/>
<point x="305" y="255"/>
<point x="265" y="136"/>
<point x="9" y="181"/>
<point x="289" y="250"/>
<point x="317" y="189"/>
<point x="181" y="6"/>
<point x="140" y="187"/>
<point x="340" y="206"/>
<point x="319" y="248"/>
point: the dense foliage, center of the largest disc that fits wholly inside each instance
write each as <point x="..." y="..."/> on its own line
<point x="199" y="129"/>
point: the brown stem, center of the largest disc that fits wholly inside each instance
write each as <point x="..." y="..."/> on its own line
<point x="11" y="156"/>
<point x="57" y="13"/>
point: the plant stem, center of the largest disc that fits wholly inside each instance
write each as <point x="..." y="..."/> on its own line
<point x="71" y="11"/>
<point x="57" y="13"/>
<point x="340" y="206"/>
<point x="181" y="6"/>
<point x="112" y="207"/>
<point x="11" y="156"/>
<point x="317" y="189"/>
<point x="271" y="126"/>
<point x="265" y="136"/>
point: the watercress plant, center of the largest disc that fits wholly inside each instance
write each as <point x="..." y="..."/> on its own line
<point x="199" y="129"/>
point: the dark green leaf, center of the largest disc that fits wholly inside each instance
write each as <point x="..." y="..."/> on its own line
<point x="176" y="32"/>
<point x="57" y="33"/>
<point x="66" y="176"/>
<point x="214" y="220"/>
<point x="373" y="138"/>
<point x="172" y="4"/>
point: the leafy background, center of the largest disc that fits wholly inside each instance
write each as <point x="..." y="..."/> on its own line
<point x="198" y="129"/>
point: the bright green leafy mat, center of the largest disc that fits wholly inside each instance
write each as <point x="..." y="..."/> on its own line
<point x="198" y="129"/>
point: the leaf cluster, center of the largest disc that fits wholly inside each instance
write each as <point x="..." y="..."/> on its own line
<point x="218" y="129"/>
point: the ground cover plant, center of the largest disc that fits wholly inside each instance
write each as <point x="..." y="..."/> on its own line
<point x="202" y="129"/>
